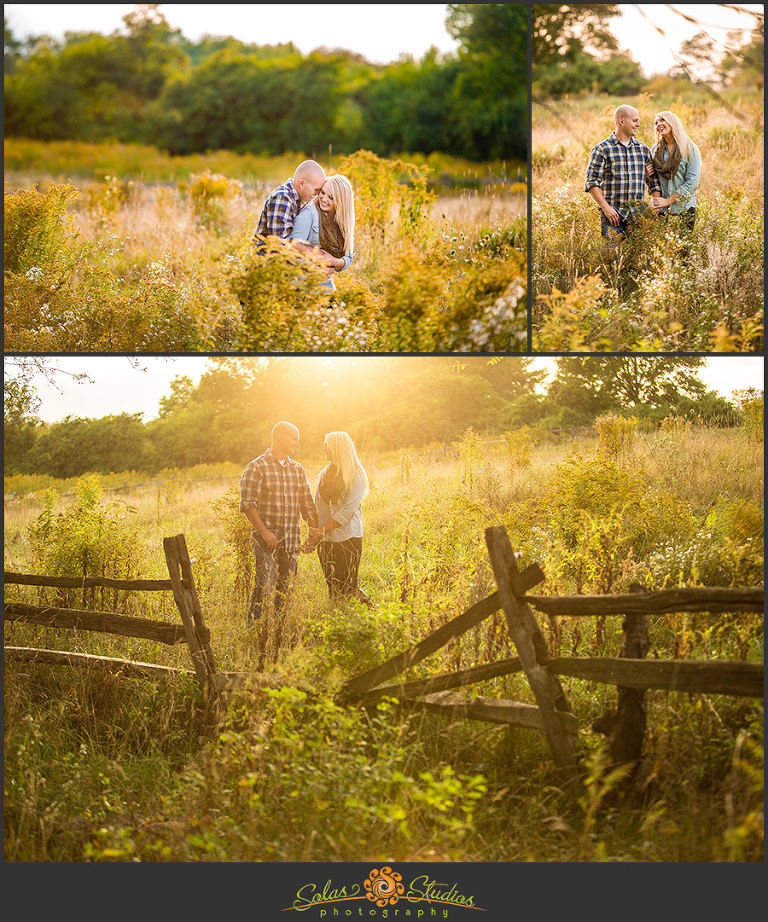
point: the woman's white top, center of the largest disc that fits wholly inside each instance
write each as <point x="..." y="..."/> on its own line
<point x="347" y="511"/>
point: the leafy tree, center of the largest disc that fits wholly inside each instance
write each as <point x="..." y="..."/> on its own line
<point x="12" y="48"/>
<point x="234" y="100"/>
<point x="150" y="85"/>
<point x="490" y="95"/>
<point x="588" y="387"/>
<point x="573" y="50"/>
<point x="93" y="86"/>
<point x="405" y="108"/>
<point x="558" y="30"/>
<point x="744" y="66"/>
<point x="20" y="402"/>
<point x="77" y="446"/>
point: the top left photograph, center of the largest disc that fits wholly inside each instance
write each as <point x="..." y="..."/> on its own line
<point x="266" y="178"/>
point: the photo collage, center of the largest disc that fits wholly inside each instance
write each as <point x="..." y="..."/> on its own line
<point x="383" y="444"/>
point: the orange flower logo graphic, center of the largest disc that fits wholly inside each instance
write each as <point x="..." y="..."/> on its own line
<point x="384" y="887"/>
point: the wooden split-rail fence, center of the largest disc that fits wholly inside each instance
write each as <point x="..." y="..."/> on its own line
<point x="191" y="631"/>
<point x="631" y="673"/>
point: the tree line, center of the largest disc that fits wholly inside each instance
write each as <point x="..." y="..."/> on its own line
<point x="574" y="51"/>
<point x="151" y="85"/>
<point x="385" y="403"/>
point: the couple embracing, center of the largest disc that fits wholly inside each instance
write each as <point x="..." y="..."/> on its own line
<point x="315" y="213"/>
<point x="621" y="167"/>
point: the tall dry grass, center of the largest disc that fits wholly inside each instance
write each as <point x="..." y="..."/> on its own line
<point x="111" y="769"/>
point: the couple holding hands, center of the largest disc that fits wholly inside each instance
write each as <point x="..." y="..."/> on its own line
<point x="621" y="167"/>
<point x="275" y="496"/>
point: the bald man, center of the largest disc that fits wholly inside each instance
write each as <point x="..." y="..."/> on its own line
<point x="285" y="202"/>
<point x="616" y="177"/>
<point x="274" y="497"/>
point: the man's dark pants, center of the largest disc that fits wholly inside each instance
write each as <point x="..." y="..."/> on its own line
<point x="274" y="573"/>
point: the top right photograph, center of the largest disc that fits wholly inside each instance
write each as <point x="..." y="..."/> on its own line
<point x="647" y="178"/>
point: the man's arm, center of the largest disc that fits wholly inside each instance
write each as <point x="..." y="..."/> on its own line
<point x="280" y="216"/>
<point x="593" y="185"/>
<point x="253" y="516"/>
<point x="306" y="502"/>
<point x="609" y="211"/>
<point x="250" y="485"/>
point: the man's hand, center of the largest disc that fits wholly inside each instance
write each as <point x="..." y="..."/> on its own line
<point x="613" y="216"/>
<point x="270" y="539"/>
<point x="658" y="203"/>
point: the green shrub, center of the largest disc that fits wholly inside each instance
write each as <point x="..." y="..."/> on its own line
<point x="85" y="539"/>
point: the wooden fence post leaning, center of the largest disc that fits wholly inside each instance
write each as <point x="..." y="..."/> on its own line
<point x="532" y="650"/>
<point x="185" y="596"/>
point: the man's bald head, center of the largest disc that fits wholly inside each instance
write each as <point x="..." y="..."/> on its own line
<point x="624" y="111"/>
<point x="627" y="121"/>
<point x="285" y="439"/>
<point x="308" y="179"/>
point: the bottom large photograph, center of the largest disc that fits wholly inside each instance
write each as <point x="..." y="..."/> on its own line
<point x="383" y="609"/>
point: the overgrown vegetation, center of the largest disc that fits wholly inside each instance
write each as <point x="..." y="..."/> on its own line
<point x="114" y="769"/>
<point x="117" y="266"/>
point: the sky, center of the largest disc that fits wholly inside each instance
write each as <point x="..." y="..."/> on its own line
<point x="381" y="32"/>
<point x="122" y="385"/>
<point x="636" y="29"/>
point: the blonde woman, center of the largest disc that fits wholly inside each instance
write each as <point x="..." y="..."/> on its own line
<point x="341" y="489"/>
<point x="329" y="224"/>
<point x="677" y="165"/>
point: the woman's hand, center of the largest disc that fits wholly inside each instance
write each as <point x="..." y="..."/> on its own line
<point x="650" y="170"/>
<point x="331" y="261"/>
<point x="658" y="203"/>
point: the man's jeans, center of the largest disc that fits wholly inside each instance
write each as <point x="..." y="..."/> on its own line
<point x="274" y="572"/>
<point x="614" y="234"/>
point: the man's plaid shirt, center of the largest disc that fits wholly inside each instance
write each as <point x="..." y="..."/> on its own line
<point x="279" y="212"/>
<point x="619" y="170"/>
<point x="281" y="495"/>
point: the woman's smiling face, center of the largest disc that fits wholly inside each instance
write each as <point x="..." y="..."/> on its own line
<point x="325" y="199"/>
<point x="662" y="127"/>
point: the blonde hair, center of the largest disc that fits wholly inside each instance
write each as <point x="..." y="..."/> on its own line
<point x="344" y="200"/>
<point x="341" y="448"/>
<point x="684" y="144"/>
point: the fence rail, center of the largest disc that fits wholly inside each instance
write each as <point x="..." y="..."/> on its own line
<point x="631" y="673"/>
<point x="191" y="631"/>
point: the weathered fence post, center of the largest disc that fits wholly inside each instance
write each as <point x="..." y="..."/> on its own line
<point x="532" y="649"/>
<point x="185" y="596"/>
<point x="626" y="738"/>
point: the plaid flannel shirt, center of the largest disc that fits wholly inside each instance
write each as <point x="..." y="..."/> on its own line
<point x="619" y="170"/>
<point x="279" y="212"/>
<point x="281" y="495"/>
